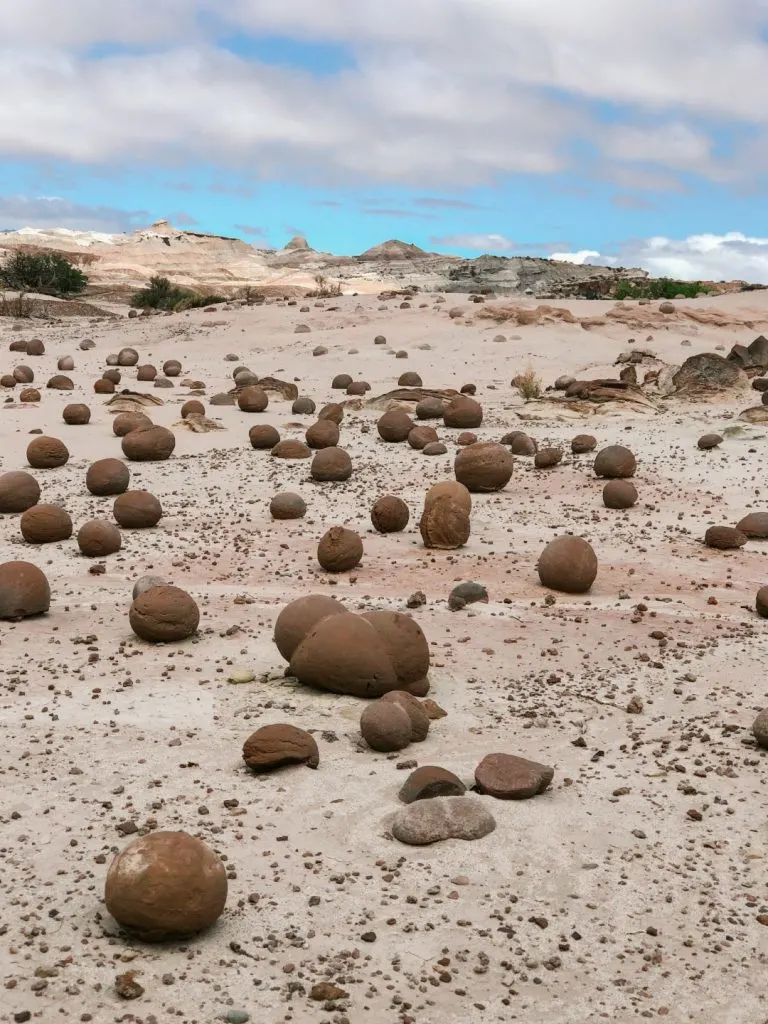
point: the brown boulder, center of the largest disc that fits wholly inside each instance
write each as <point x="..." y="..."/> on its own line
<point x="23" y="374"/>
<point x="24" y="591"/>
<point x="583" y="443"/>
<point x="339" y="549"/>
<point x="409" y="380"/>
<point x="47" y="453"/>
<point x="35" y="347"/>
<point x="252" y="399"/>
<point x="619" y="494"/>
<point x="166" y="885"/>
<point x="291" y="450"/>
<point x="414" y="710"/>
<point x="137" y="510"/>
<point x="97" y="538"/>
<point x="148" y="444"/>
<point x="394" y="426"/>
<point x="406" y="646"/>
<point x="358" y="387"/>
<point x="760" y="730"/>
<point x="452" y="489"/>
<point x="18" y="492"/>
<point x="390" y="514"/>
<point x="322" y="434"/>
<point x="445" y="525"/>
<point x="520" y="444"/>
<point x="274" y="746"/>
<point x="466" y="437"/>
<point x="420" y="437"/>
<point x="546" y="458"/>
<point x="725" y="538"/>
<point x="385" y="726"/>
<point x="76" y="414"/>
<point x="753" y="526"/>
<point x="146" y="372"/>
<point x="60" y="383"/>
<point x="112" y="375"/>
<point x="345" y="654"/>
<point x="193" y="406"/>
<point x="464" y="413"/>
<point x="331" y="464"/>
<point x="568" y="564"/>
<point x="333" y="411"/>
<point x="172" y="368"/>
<point x="615" y="463"/>
<point x="45" y="524"/>
<point x="708" y="441"/>
<point x="430" y="409"/>
<point x="127" y="357"/>
<point x="263" y="436"/>
<point x="287" y="505"/>
<point x="303" y="406"/>
<point x="300" y="617"/>
<point x="341" y="382"/>
<point x="103" y="387"/>
<point x="483" y="467"/>
<point x="761" y="602"/>
<point x="164" y="615"/>
<point x="430" y="781"/>
<point x="107" y="476"/>
<point x="29" y="395"/>
<point x="508" y="777"/>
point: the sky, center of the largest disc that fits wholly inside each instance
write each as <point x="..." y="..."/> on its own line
<point x="601" y="131"/>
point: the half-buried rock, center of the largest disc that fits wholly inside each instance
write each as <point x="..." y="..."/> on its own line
<point x="98" y="538"/>
<point x="149" y="444"/>
<point x="24" y="591"/>
<point x="508" y="777"/>
<point x="583" y="443"/>
<point x="430" y="781"/>
<point x="290" y="449"/>
<point x="725" y="538"/>
<point x="615" y="462"/>
<point x="274" y="746"/>
<point x="300" y="617"/>
<point x="107" y="476"/>
<point x="47" y="453"/>
<point x="45" y="524"/>
<point x="385" y="726"/>
<point x="345" y="654"/>
<point x="568" y="564"/>
<point x="483" y="467"/>
<point x="288" y="505"/>
<point x="390" y="514"/>
<point x="164" y="615"/>
<point x="18" y="492"/>
<point x="137" y="510"/>
<point x="125" y="422"/>
<point x="443" y="817"/>
<point x="166" y="885"/>
<point x="339" y="549"/>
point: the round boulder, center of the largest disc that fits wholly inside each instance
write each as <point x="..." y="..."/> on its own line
<point x="483" y="467"/>
<point x="568" y="564"/>
<point x="339" y="549"/>
<point x="275" y="746"/>
<point x="409" y="380"/>
<point x="24" y="591"/>
<point x="148" y="444"/>
<point x="300" y="617"/>
<point x="322" y="434"/>
<point x="390" y="514"/>
<point x="332" y="411"/>
<point x="193" y="406"/>
<point x="753" y="526"/>
<point x="252" y="399"/>
<point x="464" y="413"/>
<point x="303" y="406"/>
<point x="420" y="437"/>
<point x="331" y="464"/>
<point x="583" y="443"/>
<point x="724" y="538"/>
<point x="341" y="382"/>
<point x="137" y="510"/>
<point x="45" y="524"/>
<point x="263" y="436"/>
<point x="287" y="505"/>
<point x="415" y="711"/>
<point x="385" y="726"/>
<point x="407" y="647"/>
<point x="344" y="654"/>
<point x="47" y="453"/>
<point x="18" y="492"/>
<point x="127" y="357"/>
<point x="615" y="463"/>
<point x="76" y="414"/>
<point x="708" y="441"/>
<point x="291" y="449"/>
<point x="107" y="476"/>
<point x="619" y="494"/>
<point x="171" y="368"/>
<point x="164" y="615"/>
<point x="760" y="729"/>
<point x="394" y="426"/>
<point x="97" y="538"/>
<point x="546" y="458"/>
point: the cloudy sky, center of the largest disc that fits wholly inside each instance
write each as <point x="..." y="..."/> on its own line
<point x="597" y="130"/>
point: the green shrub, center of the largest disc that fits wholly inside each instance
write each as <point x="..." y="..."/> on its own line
<point x="661" y="288"/>
<point x="160" y="293"/>
<point x="47" y="273"/>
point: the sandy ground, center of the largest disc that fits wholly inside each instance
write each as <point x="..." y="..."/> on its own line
<point x="643" y="910"/>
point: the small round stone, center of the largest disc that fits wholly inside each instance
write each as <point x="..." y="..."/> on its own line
<point x="619" y="494"/>
<point x="146" y="372"/>
<point x="137" y="510"/>
<point x="288" y="505"/>
<point x="547" y="458"/>
<point x="76" y="414"/>
<point x="339" y="550"/>
<point x="394" y="426"/>
<point x="583" y="443"/>
<point x="107" y="476"/>
<point x="341" y="382"/>
<point x="390" y="514"/>
<point x="171" y="368"/>
<point x="420" y="437"/>
<point x="45" y="524"/>
<point x="484" y="467"/>
<point x="103" y="387"/>
<point x="409" y="380"/>
<point x="98" y="538"/>
<point x="725" y="538"/>
<point x="164" y="615"/>
<point x="708" y="441"/>
<point x="568" y="564"/>
<point x="385" y="726"/>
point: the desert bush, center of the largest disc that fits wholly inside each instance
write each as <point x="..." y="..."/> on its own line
<point x="161" y="293"/>
<point x="46" y="273"/>
<point x="661" y="288"/>
<point x="325" y="289"/>
<point x="528" y="384"/>
<point x="18" y="306"/>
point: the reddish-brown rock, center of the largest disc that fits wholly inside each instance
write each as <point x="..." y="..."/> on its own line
<point x="430" y="781"/>
<point x="18" y="492"/>
<point x="615" y="463"/>
<point x="300" y="617"/>
<point x="137" y="510"/>
<point x="192" y="406"/>
<point x="127" y="357"/>
<point x="753" y="526"/>
<point x="385" y="726"/>
<point x="103" y="387"/>
<point x="619" y="494"/>
<point x="394" y="426"/>
<point x="252" y="399"/>
<point x="725" y="538"/>
<point x="390" y="514"/>
<point x="583" y="443"/>
<point x="45" y="524"/>
<point x="164" y="615"/>
<point x="483" y="467"/>
<point x="76" y="414"/>
<point x="332" y="411"/>
<point x="568" y="564"/>
<point x="331" y="464"/>
<point x="416" y="713"/>
<point x="339" y="549"/>
<point x="288" y="505"/>
<point x="508" y="777"/>
<point x="322" y="434"/>
<point x="275" y="746"/>
<point x="263" y="436"/>
<point x="59" y="382"/>
<point x="547" y="458"/>
<point x="420" y="437"/>
<point x="345" y="654"/>
<point x="24" y="591"/>
<point x="107" y="476"/>
<point x="97" y="538"/>
<point x="148" y="444"/>
<point x="47" y="453"/>
<point x="464" y="413"/>
<point x="291" y="449"/>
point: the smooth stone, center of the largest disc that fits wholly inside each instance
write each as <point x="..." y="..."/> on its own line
<point x="508" y="777"/>
<point x="239" y="674"/>
<point x="430" y="781"/>
<point x="466" y="593"/>
<point x="442" y="817"/>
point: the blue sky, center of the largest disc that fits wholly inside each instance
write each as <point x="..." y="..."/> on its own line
<point x="588" y="129"/>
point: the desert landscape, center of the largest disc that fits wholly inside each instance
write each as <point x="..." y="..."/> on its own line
<point x="618" y="873"/>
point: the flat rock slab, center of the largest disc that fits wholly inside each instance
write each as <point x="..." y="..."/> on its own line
<point x="443" y="817"/>
<point x="508" y="777"/>
<point x="430" y="781"/>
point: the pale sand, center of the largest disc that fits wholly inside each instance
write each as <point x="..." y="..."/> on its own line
<point x="83" y="751"/>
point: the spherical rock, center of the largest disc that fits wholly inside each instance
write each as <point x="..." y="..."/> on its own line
<point x="137" y="510"/>
<point x="344" y="654"/>
<point x="19" y="345"/>
<point x="521" y="444"/>
<point x="125" y="422"/>
<point x="379" y="340"/>
<point x="409" y="380"/>
<point x="98" y="538"/>
<point x="390" y="514"/>
<point x="263" y="436"/>
<point x="420" y="437"/>
<point x="59" y="382"/>
<point x="322" y="434"/>
<point x="443" y="817"/>
<point x="47" y="453"/>
<point x="45" y="524"/>
<point x="406" y="646"/>
<point x="127" y="357"/>
<point x="546" y="458"/>
<point x="24" y="590"/>
<point x="274" y="746"/>
<point x="146" y="372"/>
<point x="583" y="443"/>
<point x="358" y="387"/>
<point x="193" y="406"/>
<point x="112" y="375"/>
<point x="35" y="347"/>
<point x="332" y="411"/>
<point x="429" y="781"/>
<point x="252" y="399"/>
<point x="725" y="538"/>
<point x="290" y="449"/>
<point x="331" y="464"/>
<point x="394" y="426"/>
<point x="103" y="387"/>
<point x="341" y="382"/>
<point x="707" y="441"/>
<point x="288" y="506"/>
<point x="339" y="549"/>
<point x="148" y="444"/>
<point x="452" y="489"/>
<point x="23" y="374"/>
<point x="468" y="389"/>
<point x="430" y="409"/>
<point x="508" y="777"/>
<point x="8" y="381"/>
<point x="87" y="344"/>
<point x="619" y="494"/>
<point x="615" y="463"/>
<point x="753" y="526"/>
<point x="76" y="414"/>
<point x="107" y="476"/>
<point x="466" y="437"/>
<point x="303" y="406"/>
<point x="164" y="615"/>
<point x="385" y="726"/>
<point x="166" y="885"/>
<point x="464" y="413"/>
<point x="172" y="368"/>
<point x="483" y="467"/>
<point x="146" y="583"/>
<point x="568" y="564"/>
<point x="761" y="602"/>
<point x="18" y="492"/>
<point x="111" y="359"/>
<point x="415" y="711"/>
<point x="760" y="729"/>
<point x="300" y="617"/>
<point x="29" y="395"/>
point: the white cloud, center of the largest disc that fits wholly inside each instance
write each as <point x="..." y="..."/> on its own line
<point x="581" y="257"/>
<point x="730" y="257"/>
<point x="18" y="211"/>
<point x="477" y="243"/>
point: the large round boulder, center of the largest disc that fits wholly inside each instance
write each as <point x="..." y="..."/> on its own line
<point x="252" y="399"/>
<point x="287" y="505"/>
<point x="107" y="476"/>
<point x="615" y="462"/>
<point x="394" y="426"/>
<point x="568" y="564"/>
<point x="483" y="467"/>
<point x="299" y="617"/>
<point x="275" y="746"/>
<point x="464" y="413"/>
<point x="98" y="538"/>
<point x="406" y="646"/>
<point x="331" y="464"/>
<point x="390" y="514"/>
<point x="47" y="453"/>
<point x="339" y="549"/>
<point x="344" y="654"/>
<point x="164" y="615"/>
<point x="137" y="510"/>
<point x="24" y="591"/>
<point x="45" y="524"/>
<point x="18" y="492"/>
<point x="149" y="444"/>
